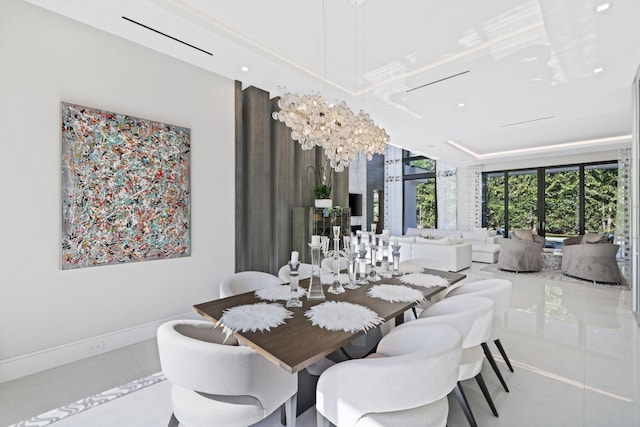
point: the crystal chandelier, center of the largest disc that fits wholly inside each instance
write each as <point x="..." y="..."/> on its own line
<point x="334" y="127"/>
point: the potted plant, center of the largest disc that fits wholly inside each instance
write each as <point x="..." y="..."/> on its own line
<point x="323" y="175"/>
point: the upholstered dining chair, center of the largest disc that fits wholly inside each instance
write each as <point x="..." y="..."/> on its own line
<point x="246" y="281"/>
<point x="222" y="384"/>
<point x="473" y="317"/>
<point x="304" y="272"/>
<point x="499" y="290"/>
<point x="405" y="384"/>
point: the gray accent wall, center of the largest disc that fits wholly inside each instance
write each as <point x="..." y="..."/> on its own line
<point x="272" y="178"/>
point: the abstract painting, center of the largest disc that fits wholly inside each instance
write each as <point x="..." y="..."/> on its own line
<point x="125" y="188"/>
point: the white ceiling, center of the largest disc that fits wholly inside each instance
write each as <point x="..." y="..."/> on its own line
<point x="515" y="60"/>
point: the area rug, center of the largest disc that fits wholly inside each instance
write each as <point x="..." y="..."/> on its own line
<point x="555" y="275"/>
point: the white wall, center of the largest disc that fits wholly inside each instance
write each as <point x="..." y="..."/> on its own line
<point x="46" y="59"/>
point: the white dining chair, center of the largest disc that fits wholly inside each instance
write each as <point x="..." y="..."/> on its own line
<point x="499" y="290"/>
<point x="473" y="317"/>
<point x="247" y="281"/>
<point x="418" y="265"/>
<point x="404" y="384"/>
<point x="220" y="384"/>
<point x="304" y="272"/>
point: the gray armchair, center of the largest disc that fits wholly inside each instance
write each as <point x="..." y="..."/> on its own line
<point x="521" y="255"/>
<point x="592" y="261"/>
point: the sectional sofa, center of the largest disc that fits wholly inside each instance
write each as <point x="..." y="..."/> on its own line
<point x="484" y="243"/>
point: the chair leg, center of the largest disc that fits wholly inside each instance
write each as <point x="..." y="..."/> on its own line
<point x="487" y="396"/>
<point x="494" y="365"/>
<point x="173" y="421"/>
<point x="503" y="353"/>
<point x="415" y="313"/>
<point x="462" y="400"/>
<point x="290" y="408"/>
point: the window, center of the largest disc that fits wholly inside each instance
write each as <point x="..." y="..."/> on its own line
<point x="555" y="202"/>
<point x="420" y="201"/>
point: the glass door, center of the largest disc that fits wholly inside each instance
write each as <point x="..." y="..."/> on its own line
<point x="561" y="204"/>
<point x="522" y="187"/>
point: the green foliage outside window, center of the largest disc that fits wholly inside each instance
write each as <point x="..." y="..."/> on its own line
<point x="426" y="204"/>
<point x="562" y="192"/>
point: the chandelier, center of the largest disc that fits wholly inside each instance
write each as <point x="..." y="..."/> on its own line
<point x="334" y="127"/>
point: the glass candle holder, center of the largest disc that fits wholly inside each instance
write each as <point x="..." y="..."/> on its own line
<point x="294" y="281"/>
<point x="396" y="259"/>
<point x="362" y="262"/>
<point x="315" y="291"/>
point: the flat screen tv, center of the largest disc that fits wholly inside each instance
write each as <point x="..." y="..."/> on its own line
<point x="355" y="204"/>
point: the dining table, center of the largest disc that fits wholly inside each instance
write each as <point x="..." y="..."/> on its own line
<point x="297" y="343"/>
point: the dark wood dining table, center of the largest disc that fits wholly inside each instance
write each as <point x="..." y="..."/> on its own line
<point x="297" y="343"/>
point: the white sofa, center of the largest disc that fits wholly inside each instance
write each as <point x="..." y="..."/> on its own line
<point x="456" y="255"/>
<point x="484" y="243"/>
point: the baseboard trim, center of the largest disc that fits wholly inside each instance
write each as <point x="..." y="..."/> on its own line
<point x="31" y="363"/>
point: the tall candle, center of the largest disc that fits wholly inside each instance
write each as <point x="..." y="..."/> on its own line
<point x="385" y="234"/>
<point x="395" y="242"/>
<point x="315" y="240"/>
<point x="294" y="257"/>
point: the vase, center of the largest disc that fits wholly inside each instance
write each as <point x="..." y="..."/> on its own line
<point x="323" y="203"/>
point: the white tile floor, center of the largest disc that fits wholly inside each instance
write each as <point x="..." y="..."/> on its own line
<point x="575" y="350"/>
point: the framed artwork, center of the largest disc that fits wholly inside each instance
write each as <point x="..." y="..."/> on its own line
<point x="125" y="188"/>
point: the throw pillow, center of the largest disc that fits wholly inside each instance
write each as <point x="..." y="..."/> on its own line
<point x="456" y="240"/>
<point x="523" y="235"/>
<point x="480" y="233"/>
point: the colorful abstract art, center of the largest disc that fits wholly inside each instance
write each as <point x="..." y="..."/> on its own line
<point x="125" y="188"/>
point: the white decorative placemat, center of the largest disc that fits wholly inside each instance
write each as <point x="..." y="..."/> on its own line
<point x="253" y="317"/>
<point x="424" y="280"/>
<point x="327" y="278"/>
<point x="343" y="316"/>
<point x="395" y="293"/>
<point x="280" y="292"/>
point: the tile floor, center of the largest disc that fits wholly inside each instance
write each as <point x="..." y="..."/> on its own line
<point x="575" y="350"/>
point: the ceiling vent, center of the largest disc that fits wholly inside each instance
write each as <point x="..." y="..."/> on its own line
<point x="437" y="81"/>
<point x="166" y="35"/>
<point x="527" y="121"/>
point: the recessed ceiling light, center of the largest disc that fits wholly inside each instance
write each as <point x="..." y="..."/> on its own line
<point x="598" y="70"/>
<point x="245" y="68"/>
<point x="537" y="79"/>
<point x="461" y="105"/>
<point x="603" y="7"/>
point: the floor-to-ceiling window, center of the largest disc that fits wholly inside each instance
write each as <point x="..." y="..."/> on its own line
<point x="600" y="197"/>
<point x="420" y="201"/>
<point x="556" y="202"/>
<point x="562" y="202"/>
